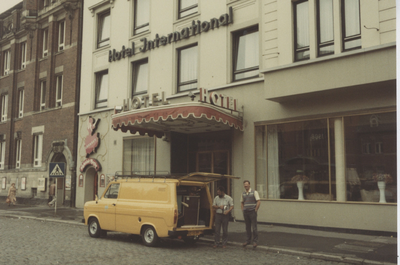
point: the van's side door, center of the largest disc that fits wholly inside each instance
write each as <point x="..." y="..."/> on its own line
<point x="107" y="205"/>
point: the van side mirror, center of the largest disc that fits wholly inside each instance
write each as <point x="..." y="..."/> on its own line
<point x="96" y="198"/>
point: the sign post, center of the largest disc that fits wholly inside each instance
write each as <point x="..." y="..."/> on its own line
<point x="56" y="170"/>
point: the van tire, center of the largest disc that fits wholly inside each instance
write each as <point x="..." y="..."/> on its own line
<point x="94" y="228"/>
<point x="149" y="236"/>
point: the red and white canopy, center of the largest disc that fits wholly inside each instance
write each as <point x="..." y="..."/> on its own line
<point x="191" y="117"/>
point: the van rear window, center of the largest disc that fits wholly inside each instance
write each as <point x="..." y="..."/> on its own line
<point x="148" y="191"/>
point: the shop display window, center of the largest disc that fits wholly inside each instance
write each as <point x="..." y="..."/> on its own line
<point x="335" y="159"/>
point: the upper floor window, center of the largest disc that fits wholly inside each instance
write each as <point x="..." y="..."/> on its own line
<point x="59" y="90"/>
<point x="61" y="35"/>
<point x="101" y="93"/>
<point x="2" y="151"/>
<point x="6" y="62"/>
<point x="245" y="54"/>
<point x="4" y="107"/>
<point x="351" y="30"/>
<point x="42" y="95"/>
<point x="23" y="55"/>
<point x="301" y="31"/>
<point x="325" y="27"/>
<point x="187" y="7"/>
<point x="18" y="146"/>
<point x="37" y="150"/>
<point x="140" y="75"/>
<point x="45" y="42"/>
<point x="20" y="103"/>
<point x="187" y="68"/>
<point x="142" y="16"/>
<point x="103" y="29"/>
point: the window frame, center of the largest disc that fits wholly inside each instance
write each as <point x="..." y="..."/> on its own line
<point x="193" y="9"/>
<point x="59" y="91"/>
<point x="18" y="155"/>
<point x="135" y="73"/>
<point x="320" y="44"/>
<point x="128" y="154"/>
<point x="235" y="40"/>
<point x="179" y="60"/>
<point x="37" y="149"/>
<point x="98" y="79"/>
<point x="2" y="152"/>
<point x="100" y="43"/>
<point x="305" y="48"/>
<point x="61" y="35"/>
<point x="138" y="29"/>
<point x="346" y="39"/>
<point x="4" y="107"/>
<point x="45" y="42"/>
<point x="42" y="100"/>
<point x="6" y="62"/>
<point x="21" y="98"/>
<point x="23" y="49"/>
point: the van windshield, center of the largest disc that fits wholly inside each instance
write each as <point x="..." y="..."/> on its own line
<point x="112" y="192"/>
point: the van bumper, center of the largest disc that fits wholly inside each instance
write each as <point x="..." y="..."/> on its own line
<point x="186" y="232"/>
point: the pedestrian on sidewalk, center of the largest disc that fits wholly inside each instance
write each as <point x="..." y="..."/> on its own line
<point x="11" y="196"/>
<point x="250" y="201"/>
<point x="223" y="205"/>
<point x="52" y="193"/>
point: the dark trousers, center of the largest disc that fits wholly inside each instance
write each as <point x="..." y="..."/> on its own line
<point x="250" y="219"/>
<point x="221" y="220"/>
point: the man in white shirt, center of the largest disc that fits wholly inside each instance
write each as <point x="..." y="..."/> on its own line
<point x="222" y="205"/>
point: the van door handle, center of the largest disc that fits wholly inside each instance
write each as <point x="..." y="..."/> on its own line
<point x="113" y="204"/>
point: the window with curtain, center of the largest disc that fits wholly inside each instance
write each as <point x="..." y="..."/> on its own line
<point x="20" y="103"/>
<point x="59" y="90"/>
<point x="4" y="107"/>
<point x="325" y="27"/>
<point x="301" y="31"/>
<point x="101" y="93"/>
<point x="142" y="16"/>
<point x="329" y="158"/>
<point x="61" y="35"/>
<point x="37" y="150"/>
<point x="103" y="29"/>
<point x="2" y="152"/>
<point x="45" y="42"/>
<point x="187" y="68"/>
<point x="351" y="29"/>
<point x="42" y="94"/>
<point x="187" y="7"/>
<point x="18" y="146"/>
<point x="138" y="155"/>
<point x="23" y="55"/>
<point x="6" y="62"/>
<point x="140" y="77"/>
<point x="246" y="54"/>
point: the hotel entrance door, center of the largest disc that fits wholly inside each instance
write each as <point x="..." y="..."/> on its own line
<point x="215" y="162"/>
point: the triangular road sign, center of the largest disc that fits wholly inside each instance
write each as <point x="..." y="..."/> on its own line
<point x="57" y="171"/>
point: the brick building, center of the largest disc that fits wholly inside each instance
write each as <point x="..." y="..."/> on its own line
<point x="39" y="88"/>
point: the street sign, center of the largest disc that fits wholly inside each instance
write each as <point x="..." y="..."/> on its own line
<point x="57" y="170"/>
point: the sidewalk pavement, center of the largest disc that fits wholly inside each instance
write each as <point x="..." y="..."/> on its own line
<point x="333" y="246"/>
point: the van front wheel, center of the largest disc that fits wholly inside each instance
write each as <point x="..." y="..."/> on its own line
<point x="149" y="236"/>
<point x="94" y="228"/>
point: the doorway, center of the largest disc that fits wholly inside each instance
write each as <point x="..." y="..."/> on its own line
<point x="215" y="162"/>
<point x="91" y="184"/>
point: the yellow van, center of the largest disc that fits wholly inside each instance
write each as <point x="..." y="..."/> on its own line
<point x="155" y="207"/>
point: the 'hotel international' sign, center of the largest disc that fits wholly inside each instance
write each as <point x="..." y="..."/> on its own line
<point x="196" y="28"/>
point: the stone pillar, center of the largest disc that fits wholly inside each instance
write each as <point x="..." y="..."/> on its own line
<point x="340" y="161"/>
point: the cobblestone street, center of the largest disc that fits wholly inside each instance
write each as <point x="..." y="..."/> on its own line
<point x="25" y="241"/>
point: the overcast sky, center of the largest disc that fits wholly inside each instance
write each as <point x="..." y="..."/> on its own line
<point x="6" y="4"/>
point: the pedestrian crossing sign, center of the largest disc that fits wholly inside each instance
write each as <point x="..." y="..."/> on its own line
<point x="57" y="170"/>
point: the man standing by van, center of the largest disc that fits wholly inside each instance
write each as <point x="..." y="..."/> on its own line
<point x="250" y="201"/>
<point x="222" y="205"/>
